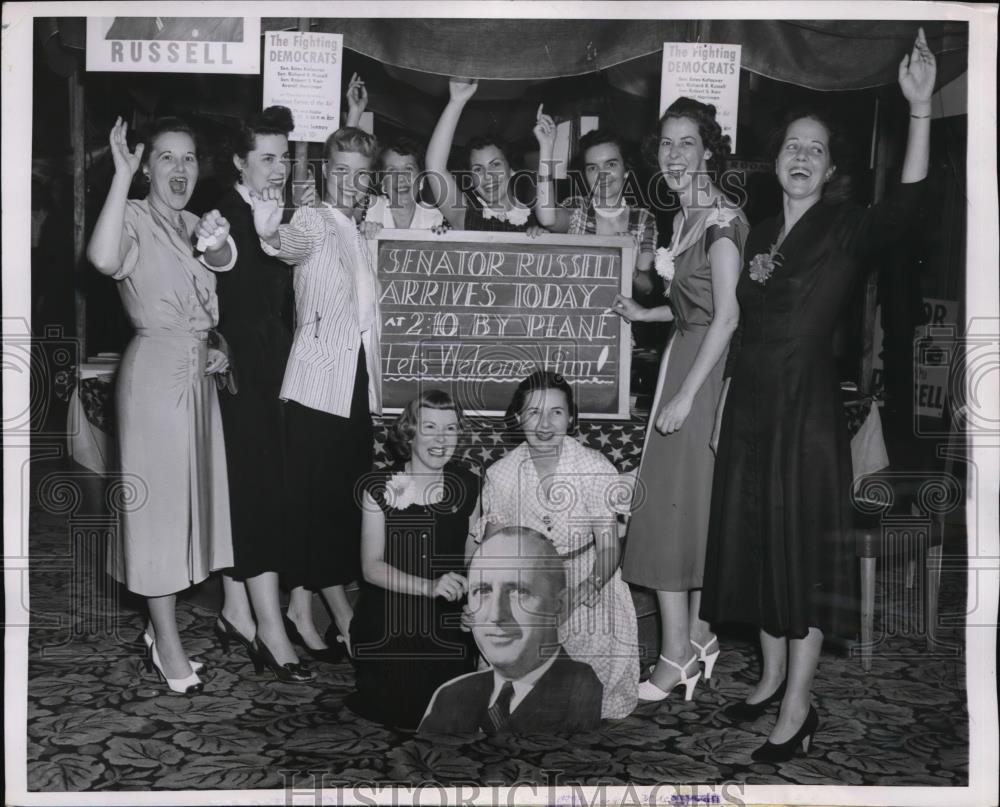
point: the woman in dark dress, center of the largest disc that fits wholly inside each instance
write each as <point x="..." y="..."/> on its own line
<point x="253" y="311"/>
<point x="780" y="554"/>
<point x="416" y="530"/>
<point x="492" y="205"/>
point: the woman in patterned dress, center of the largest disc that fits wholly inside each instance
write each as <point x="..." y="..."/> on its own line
<point x="565" y="491"/>
<point x="604" y="211"/>
<point x="169" y="427"/>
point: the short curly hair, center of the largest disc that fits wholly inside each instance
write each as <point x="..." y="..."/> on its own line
<point x="539" y="381"/>
<point x="401" y="432"/>
<point x="485" y="141"/>
<point x="703" y="115"/>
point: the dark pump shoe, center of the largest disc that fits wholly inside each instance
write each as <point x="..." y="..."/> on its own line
<point x="745" y="712"/>
<point x="782" y="752"/>
<point x="327" y="655"/>
<point x="290" y="673"/>
<point x="227" y="633"/>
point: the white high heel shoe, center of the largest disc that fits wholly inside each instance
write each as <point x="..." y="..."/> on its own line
<point x="196" y="666"/>
<point x="706" y="658"/>
<point x="191" y="685"/>
<point x="648" y="691"/>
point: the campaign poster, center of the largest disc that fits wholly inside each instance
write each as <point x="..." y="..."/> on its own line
<point x="302" y="71"/>
<point x="173" y="44"/>
<point x="707" y="72"/>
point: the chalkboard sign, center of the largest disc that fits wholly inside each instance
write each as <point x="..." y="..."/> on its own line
<point x="473" y="313"/>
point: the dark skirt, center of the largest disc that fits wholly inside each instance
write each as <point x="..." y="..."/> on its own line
<point x="780" y="548"/>
<point x="327" y="457"/>
<point x="405" y="647"/>
<point x="253" y="424"/>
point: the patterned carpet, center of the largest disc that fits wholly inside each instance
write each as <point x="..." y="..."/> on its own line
<point x="97" y="721"/>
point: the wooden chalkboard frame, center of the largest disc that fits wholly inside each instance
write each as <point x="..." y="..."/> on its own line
<point x="625" y="244"/>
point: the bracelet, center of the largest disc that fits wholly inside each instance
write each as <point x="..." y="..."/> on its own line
<point x="919" y="117"/>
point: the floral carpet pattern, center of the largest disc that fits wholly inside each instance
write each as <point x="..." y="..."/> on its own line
<point x="98" y="721"/>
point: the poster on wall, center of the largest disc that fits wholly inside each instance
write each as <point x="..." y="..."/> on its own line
<point x="302" y="71"/>
<point x="707" y="72"/>
<point x="173" y="44"/>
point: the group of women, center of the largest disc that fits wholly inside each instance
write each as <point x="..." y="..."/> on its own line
<point x="743" y="503"/>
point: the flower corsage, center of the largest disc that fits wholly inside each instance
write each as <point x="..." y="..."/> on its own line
<point x="516" y="215"/>
<point x="664" y="265"/>
<point x="401" y="491"/>
<point x="762" y="265"/>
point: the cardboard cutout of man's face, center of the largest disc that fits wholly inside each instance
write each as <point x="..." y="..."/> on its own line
<point x="516" y="599"/>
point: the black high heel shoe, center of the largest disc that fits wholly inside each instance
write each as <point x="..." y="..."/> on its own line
<point x="290" y="673"/>
<point x="782" y="752"/>
<point x="227" y="633"/>
<point x="744" y="711"/>
<point x="327" y="655"/>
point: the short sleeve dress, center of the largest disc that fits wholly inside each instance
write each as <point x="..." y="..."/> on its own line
<point x="404" y="647"/>
<point x="176" y="527"/>
<point x="604" y="635"/>
<point x="780" y="550"/>
<point x="668" y="531"/>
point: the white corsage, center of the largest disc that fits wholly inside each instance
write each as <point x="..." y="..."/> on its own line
<point x="401" y="491"/>
<point x="664" y="265"/>
<point x="516" y="215"/>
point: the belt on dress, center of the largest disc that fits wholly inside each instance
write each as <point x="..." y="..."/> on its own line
<point x="201" y="336"/>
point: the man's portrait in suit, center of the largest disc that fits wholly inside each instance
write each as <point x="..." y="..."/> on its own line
<point x="517" y="596"/>
<point x="178" y="29"/>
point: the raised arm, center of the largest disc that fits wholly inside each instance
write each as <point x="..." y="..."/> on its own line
<point x="549" y="214"/>
<point x="105" y="248"/>
<point x="724" y="260"/>
<point x="917" y="73"/>
<point x="357" y="100"/>
<point x="883" y="224"/>
<point x="292" y="243"/>
<point x="442" y="184"/>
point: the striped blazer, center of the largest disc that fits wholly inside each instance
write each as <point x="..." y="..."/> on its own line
<point x="336" y="294"/>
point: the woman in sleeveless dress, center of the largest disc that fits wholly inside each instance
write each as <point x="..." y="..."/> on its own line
<point x="415" y="536"/>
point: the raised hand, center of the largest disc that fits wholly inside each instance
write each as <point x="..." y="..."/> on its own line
<point x="462" y="89"/>
<point x="126" y="162"/>
<point x="545" y="131"/>
<point x="357" y="97"/>
<point x="211" y="231"/>
<point x="266" y="211"/>
<point x="917" y="72"/>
